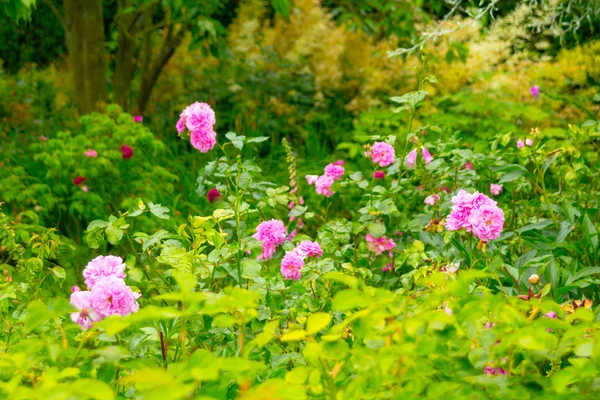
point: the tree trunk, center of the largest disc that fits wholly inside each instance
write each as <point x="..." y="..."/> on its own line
<point x="85" y="35"/>
<point x="151" y="71"/>
<point x="129" y="26"/>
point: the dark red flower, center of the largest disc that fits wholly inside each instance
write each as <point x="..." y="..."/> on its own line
<point x="379" y="175"/>
<point x="79" y="180"/>
<point x="213" y="195"/>
<point x="127" y="152"/>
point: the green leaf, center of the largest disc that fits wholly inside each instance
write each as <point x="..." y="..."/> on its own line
<point x="538" y="225"/>
<point x="37" y="314"/>
<point x="583" y="273"/>
<point x="221" y="214"/>
<point x="347" y="280"/>
<point x="294" y="336"/>
<point x="159" y="210"/>
<point x="317" y="322"/>
<point x="511" y="176"/>
<point x="59" y="272"/>
<point x="376" y="229"/>
<point x="185" y="280"/>
<point x="97" y="224"/>
<point x="92" y="389"/>
<point x="590" y="231"/>
<point x="349" y="299"/>
<point x="113" y="235"/>
<point x="412" y="98"/>
<point x="251" y="268"/>
<point x="258" y="139"/>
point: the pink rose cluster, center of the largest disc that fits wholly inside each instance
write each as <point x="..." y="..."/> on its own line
<point x="271" y="233"/>
<point x="333" y="172"/>
<point x="293" y="261"/>
<point x="107" y="293"/>
<point x="477" y="213"/>
<point x="199" y="119"/>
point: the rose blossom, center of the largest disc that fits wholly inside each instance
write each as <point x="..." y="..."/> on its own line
<point x="291" y="264"/>
<point x="112" y="296"/>
<point x="309" y="249"/>
<point x="383" y="154"/>
<point x="379" y="245"/>
<point x="463" y="204"/>
<point x="335" y="170"/>
<point x="86" y="314"/>
<point x="272" y="233"/>
<point x="323" y="185"/>
<point x="293" y="261"/>
<point x="101" y="267"/>
<point x="487" y="222"/>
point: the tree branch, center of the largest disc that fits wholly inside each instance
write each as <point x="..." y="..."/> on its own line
<point x="56" y="11"/>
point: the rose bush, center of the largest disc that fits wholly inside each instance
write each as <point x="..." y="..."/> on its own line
<point x="406" y="281"/>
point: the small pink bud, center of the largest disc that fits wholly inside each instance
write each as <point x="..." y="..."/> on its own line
<point x="138" y="118"/>
<point x="520" y="143"/>
<point x="529" y="142"/>
<point x="75" y="289"/>
<point x="91" y="153"/>
<point x="468" y="166"/>
<point x="535" y="91"/>
<point x="496" y="189"/>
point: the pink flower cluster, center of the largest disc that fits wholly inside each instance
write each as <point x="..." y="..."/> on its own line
<point x="199" y="119"/>
<point x="411" y="158"/>
<point x="383" y="154"/>
<point x="333" y="172"/>
<point x="293" y="261"/>
<point x="522" y="143"/>
<point x="379" y="245"/>
<point x="477" y="213"/>
<point x="272" y="233"/>
<point x="494" y="371"/>
<point x="107" y="293"/>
